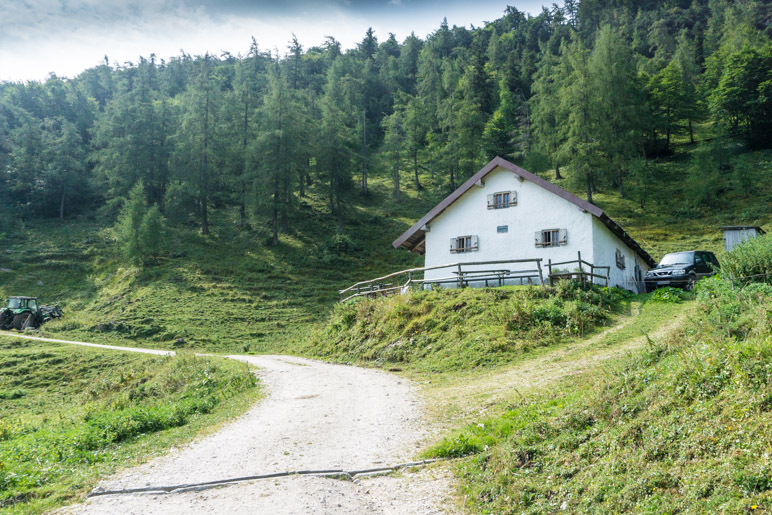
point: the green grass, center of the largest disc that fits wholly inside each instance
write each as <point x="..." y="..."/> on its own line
<point x="436" y="331"/>
<point x="685" y="426"/>
<point x="70" y="415"/>
<point x="229" y="292"/>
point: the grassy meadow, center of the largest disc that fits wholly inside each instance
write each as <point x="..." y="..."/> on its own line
<point x="69" y="415"/>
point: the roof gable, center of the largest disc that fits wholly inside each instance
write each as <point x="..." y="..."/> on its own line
<point x="413" y="238"/>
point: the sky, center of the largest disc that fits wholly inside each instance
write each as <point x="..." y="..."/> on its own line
<point x="65" y="37"/>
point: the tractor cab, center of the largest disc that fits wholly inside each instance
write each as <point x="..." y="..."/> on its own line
<point x="30" y="303"/>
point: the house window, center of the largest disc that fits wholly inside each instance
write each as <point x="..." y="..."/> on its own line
<point x="551" y="237"/>
<point x="620" y="260"/>
<point x="502" y="228"/>
<point x="502" y="199"/>
<point x="463" y="244"/>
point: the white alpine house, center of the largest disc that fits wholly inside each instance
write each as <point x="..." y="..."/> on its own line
<point x="504" y="212"/>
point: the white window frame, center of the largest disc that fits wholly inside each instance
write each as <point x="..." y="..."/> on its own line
<point x="552" y="234"/>
<point x="463" y="244"/>
<point x="502" y="199"/>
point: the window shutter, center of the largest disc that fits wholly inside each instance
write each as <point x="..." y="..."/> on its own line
<point x="475" y="243"/>
<point x="491" y="201"/>
<point x="453" y="244"/>
<point x="512" y="198"/>
<point x="563" y="237"/>
<point x="538" y="236"/>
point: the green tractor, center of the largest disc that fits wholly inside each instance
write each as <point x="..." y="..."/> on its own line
<point x="24" y="313"/>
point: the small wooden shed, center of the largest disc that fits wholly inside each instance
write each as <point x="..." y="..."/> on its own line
<point x="736" y="234"/>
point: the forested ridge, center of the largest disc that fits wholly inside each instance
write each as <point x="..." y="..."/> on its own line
<point x="592" y="89"/>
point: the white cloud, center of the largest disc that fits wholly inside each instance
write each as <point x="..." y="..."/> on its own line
<point x="67" y="36"/>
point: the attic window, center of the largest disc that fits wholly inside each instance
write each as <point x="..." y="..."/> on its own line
<point x="620" y="260"/>
<point x="502" y="199"/>
<point x="551" y="237"/>
<point x="463" y="244"/>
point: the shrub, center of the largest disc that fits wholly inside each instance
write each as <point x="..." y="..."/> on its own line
<point x="750" y="261"/>
<point x="668" y="294"/>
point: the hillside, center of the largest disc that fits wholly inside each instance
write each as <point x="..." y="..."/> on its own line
<point x="683" y="424"/>
<point x="232" y="291"/>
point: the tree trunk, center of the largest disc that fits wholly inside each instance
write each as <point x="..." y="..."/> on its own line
<point x="340" y="213"/>
<point x="364" y="151"/>
<point x="397" y="192"/>
<point x="61" y="204"/>
<point x="589" y="189"/>
<point x="204" y="169"/>
<point x="245" y="129"/>
<point x="275" y="213"/>
<point x="620" y="178"/>
<point x="243" y="205"/>
<point x="415" y="169"/>
<point x="691" y="132"/>
<point x="557" y="173"/>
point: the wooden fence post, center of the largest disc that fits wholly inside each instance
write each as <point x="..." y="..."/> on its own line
<point x="541" y="275"/>
<point x="549" y="270"/>
<point x="460" y="277"/>
<point x="581" y="270"/>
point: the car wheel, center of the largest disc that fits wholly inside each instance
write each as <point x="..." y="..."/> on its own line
<point x="690" y="283"/>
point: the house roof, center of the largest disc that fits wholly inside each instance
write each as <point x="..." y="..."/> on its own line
<point x="414" y="238"/>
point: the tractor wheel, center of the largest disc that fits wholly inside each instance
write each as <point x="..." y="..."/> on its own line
<point x="6" y="320"/>
<point x="20" y="320"/>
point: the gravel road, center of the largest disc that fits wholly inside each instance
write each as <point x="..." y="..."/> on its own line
<point x="315" y="416"/>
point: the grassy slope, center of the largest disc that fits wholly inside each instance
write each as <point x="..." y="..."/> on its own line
<point x="438" y="331"/>
<point x="227" y="292"/>
<point x="685" y="425"/>
<point x="233" y="292"/>
<point x="70" y="414"/>
<point x="670" y="222"/>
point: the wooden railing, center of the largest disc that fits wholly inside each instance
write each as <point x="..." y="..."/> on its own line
<point x="501" y="273"/>
<point x="579" y="272"/>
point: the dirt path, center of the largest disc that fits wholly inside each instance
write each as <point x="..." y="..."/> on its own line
<point x="94" y="345"/>
<point x="320" y="416"/>
<point x="468" y="397"/>
<point x="316" y="416"/>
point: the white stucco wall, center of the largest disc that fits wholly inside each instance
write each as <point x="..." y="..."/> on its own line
<point x="605" y="245"/>
<point x="537" y="209"/>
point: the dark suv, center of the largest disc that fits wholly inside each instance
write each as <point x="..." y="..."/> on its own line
<point x="681" y="270"/>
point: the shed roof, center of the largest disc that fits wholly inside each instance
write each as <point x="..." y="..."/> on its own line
<point x="742" y="228"/>
<point x="414" y="238"/>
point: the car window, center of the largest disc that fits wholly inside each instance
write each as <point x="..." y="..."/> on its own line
<point x="685" y="258"/>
